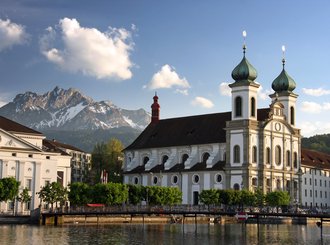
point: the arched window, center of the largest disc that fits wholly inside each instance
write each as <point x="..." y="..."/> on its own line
<point x="164" y="159"/>
<point x="254" y="154"/>
<point x="238" y="106"/>
<point x="254" y="181"/>
<point x="292" y="115"/>
<point x="278" y="184"/>
<point x="145" y="160"/>
<point x="267" y="155"/>
<point x="295" y="160"/>
<point x="184" y="158"/>
<point x="206" y="156"/>
<point x="253" y="107"/>
<point x="278" y="155"/>
<point x="236" y="154"/>
<point x="288" y="158"/>
<point x="236" y="187"/>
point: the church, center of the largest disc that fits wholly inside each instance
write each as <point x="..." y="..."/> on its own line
<point x="245" y="148"/>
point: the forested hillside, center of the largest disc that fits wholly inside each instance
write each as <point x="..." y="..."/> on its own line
<point x="317" y="142"/>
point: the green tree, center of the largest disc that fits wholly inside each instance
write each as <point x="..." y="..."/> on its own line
<point x="278" y="198"/>
<point x="8" y="189"/>
<point x="53" y="193"/>
<point x="209" y="197"/>
<point x="110" y="193"/>
<point x="260" y="197"/>
<point x="247" y="198"/>
<point x="135" y="194"/>
<point x="79" y="193"/>
<point x="24" y="197"/>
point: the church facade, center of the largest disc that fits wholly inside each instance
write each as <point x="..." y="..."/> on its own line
<point x="245" y="148"/>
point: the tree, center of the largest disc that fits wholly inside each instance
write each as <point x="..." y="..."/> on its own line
<point x="79" y="193"/>
<point x="278" y="198"/>
<point x="8" y="189"/>
<point x="209" y="197"/>
<point x="53" y="193"/>
<point x="108" y="157"/>
<point x="135" y="194"/>
<point x="247" y="198"/>
<point x="24" y="197"/>
<point x="109" y="193"/>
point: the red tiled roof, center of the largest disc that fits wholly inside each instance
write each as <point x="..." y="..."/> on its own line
<point x="11" y="126"/>
<point x="192" y="130"/>
<point x="315" y="159"/>
<point x="65" y="146"/>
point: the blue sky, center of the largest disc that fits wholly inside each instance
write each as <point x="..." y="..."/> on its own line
<point x="124" y="51"/>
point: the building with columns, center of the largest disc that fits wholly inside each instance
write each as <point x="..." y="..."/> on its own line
<point x="245" y="148"/>
<point x="26" y="155"/>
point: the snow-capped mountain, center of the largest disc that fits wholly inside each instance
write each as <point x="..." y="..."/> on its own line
<point x="62" y="109"/>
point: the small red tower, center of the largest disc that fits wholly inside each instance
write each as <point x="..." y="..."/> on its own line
<point x="155" y="110"/>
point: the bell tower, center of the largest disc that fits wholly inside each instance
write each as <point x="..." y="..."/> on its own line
<point x="155" y="108"/>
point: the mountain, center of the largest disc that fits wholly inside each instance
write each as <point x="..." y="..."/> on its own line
<point x="70" y="117"/>
<point x="317" y="142"/>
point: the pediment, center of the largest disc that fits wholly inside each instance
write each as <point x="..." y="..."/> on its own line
<point x="10" y="141"/>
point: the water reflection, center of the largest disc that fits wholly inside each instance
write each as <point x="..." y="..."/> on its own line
<point x="164" y="234"/>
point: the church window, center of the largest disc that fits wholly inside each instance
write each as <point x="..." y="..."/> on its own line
<point x="136" y="180"/>
<point x="155" y="180"/>
<point x="195" y="178"/>
<point x="292" y="119"/>
<point x="218" y="178"/>
<point x="238" y="106"/>
<point x="278" y="155"/>
<point x="268" y="155"/>
<point x="175" y="179"/>
<point x="164" y="159"/>
<point x="236" y="187"/>
<point x="295" y="160"/>
<point x="145" y="160"/>
<point x="253" y="107"/>
<point x="278" y="184"/>
<point x="254" y="181"/>
<point x="236" y="154"/>
<point x="206" y="156"/>
<point x="288" y="158"/>
<point x="254" y="154"/>
<point x="184" y="158"/>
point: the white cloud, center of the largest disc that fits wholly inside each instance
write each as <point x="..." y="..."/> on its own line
<point x="202" y="102"/>
<point x="225" y="89"/>
<point x="309" y="128"/>
<point x="181" y="91"/>
<point x="11" y="34"/>
<point x="316" y="92"/>
<point x="167" y="78"/>
<point x="88" y="50"/>
<point x="314" y="108"/>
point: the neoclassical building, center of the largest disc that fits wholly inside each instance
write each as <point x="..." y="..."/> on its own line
<point x="26" y="155"/>
<point x="245" y="148"/>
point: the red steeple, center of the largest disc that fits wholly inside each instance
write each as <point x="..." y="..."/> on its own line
<point x="155" y="110"/>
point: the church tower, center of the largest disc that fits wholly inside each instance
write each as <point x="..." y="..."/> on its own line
<point x="283" y="86"/>
<point x="242" y="132"/>
<point x="155" y="108"/>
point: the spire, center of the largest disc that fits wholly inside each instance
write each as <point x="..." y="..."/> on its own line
<point x="155" y="110"/>
<point x="244" y="71"/>
<point x="283" y="83"/>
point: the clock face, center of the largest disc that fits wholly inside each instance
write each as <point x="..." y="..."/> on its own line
<point x="277" y="126"/>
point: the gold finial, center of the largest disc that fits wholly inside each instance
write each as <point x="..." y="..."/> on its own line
<point x="283" y="55"/>
<point x="244" y="45"/>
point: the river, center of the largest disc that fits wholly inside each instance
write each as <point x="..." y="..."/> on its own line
<point x="159" y="234"/>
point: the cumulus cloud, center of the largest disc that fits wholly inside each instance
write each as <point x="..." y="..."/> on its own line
<point x="202" y="102"/>
<point x="309" y="128"/>
<point x="316" y="92"/>
<point x="313" y="107"/>
<point x="88" y="50"/>
<point x="11" y="34"/>
<point x="226" y="91"/>
<point x="167" y="78"/>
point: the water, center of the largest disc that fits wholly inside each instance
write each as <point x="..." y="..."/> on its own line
<point x="135" y="234"/>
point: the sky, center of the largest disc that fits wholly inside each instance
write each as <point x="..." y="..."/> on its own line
<point x="126" y="50"/>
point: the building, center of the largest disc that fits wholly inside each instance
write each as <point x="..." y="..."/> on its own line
<point x="244" y="148"/>
<point x="80" y="161"/>
<point x="26" y="155"/>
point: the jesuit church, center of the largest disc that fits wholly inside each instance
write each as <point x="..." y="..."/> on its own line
<point x="245" y="148"/>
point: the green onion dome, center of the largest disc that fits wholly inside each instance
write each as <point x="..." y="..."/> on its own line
<point x="244" y="71"/>
<point x="283" y="82"/>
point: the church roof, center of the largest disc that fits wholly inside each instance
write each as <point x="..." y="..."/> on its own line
<point x="182" y="131"/>
<point x="244" y="71"/>
<point x="14" y="127"/>
<point x="315" y="159"/>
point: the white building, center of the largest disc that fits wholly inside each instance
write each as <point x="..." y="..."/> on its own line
<point x="244" y="148"/>
<point x="26" y="156"/>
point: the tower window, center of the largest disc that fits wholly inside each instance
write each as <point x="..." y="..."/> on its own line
<point x="238" y="106"/>
<point x="292" y="119"/>
<point x="236" y="154"/>
<point x="254" y="154"/>
<point x="253" y="107"/>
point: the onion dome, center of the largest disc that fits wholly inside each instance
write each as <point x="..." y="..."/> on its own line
<point x="244" y="71"/>
<point x="283" y="82"/>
